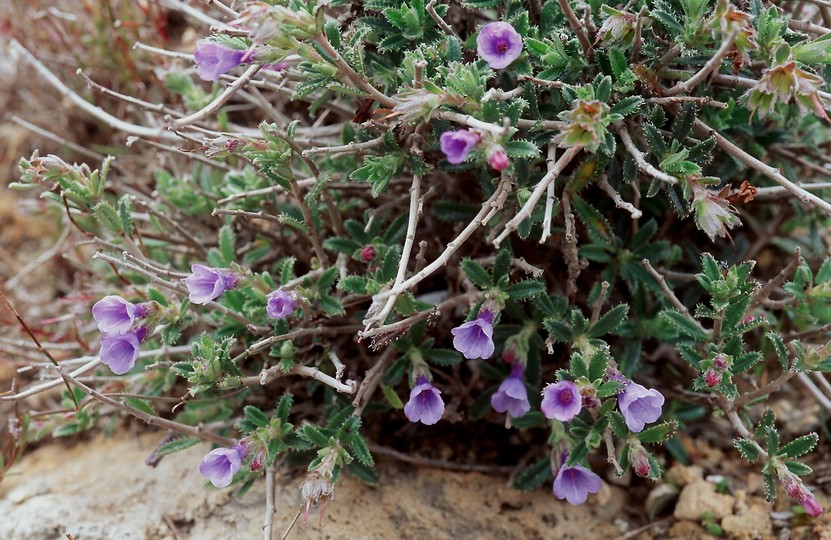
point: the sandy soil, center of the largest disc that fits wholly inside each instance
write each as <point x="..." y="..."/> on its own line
<point x="102" y="489"/>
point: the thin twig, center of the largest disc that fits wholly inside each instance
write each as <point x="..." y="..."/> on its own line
<point x="712" y="64"/>
<point x="220" y="100"/>
<point x="409" y="240"/>
<point x="357" y="80"/>
<point x="549" y="197"/>
<point x="771" y="172"/>
<point x="676" y="303"/>
<point x="526" y="210"/>
<point x="489" y="207"/>
<point x="640" y="159"/>
<point x="578" y="29"/>
<point x="93" y="110"/>
<point x="40" y="347"/>
<point x="769" y="388"/>
<point x="764" y="292"/>
<point x="611" y="452"/>
<point x="270" y="509"/>
<point x="149" y="418"/>
<point x="618" y="200"/>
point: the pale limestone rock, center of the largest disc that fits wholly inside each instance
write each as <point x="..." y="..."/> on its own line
<point x="699" y="497"/>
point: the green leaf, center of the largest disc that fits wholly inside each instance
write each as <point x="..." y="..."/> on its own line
<point x="558" y="330"/>
<point x="156" y="296"/>
<point x="627" y="106"/>
<point x="331" y="306"/>
<point x="799" y="447"/>
<point x="443" y="357"/>
<point x="312" y="434"/>
<point x="799" y="469"/>
<point x="778" y="346"/>
<point x="608" y="322"/>
<point x="177" y="445"/>
<point x="609" y="388"/>
<point x="226" y="244"/>
<point x="140" y="404"/>
<point x="361" y="451"/>
<point x="255" y="416"/>
<point x="367" y="474"/>
<point x="392" y="398"/>
<point x="521" y="149"/>
<point x="657" y="433"/>
<point x="108" y="217"/>
<point x="523" y="290"/>
<point x="476" y="274"/>
<point x="684" y="325"/>
<point x="341" y="245"/>
<point x="747" y="449"/>
<point x="533" y="476"/>
<point x="353" y="284"/>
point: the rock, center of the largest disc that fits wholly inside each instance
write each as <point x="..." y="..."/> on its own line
<point x="102" y="489"/>
<point x="699" y="497"/>
<point x="659" y="497"/>
<point x="681" y="475"/>
<point x="752" y="525"/>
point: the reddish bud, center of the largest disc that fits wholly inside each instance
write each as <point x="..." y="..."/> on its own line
<point x="712" y="378"/>
<point x="720" y="361"/>
<point x="498" y="159"/>
<point x="368" y="253"/>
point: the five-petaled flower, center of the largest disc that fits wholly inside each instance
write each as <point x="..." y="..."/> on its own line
<point x="456" y="145"/>
<point x="425" y="404"/>
<point x="639" y="406"/>
<point x="280" y="304"/>
<point x="116" y="315"/>
<point x="575" y="483"/>
<point x="561" y="401"/>
<point x="120" y="351"/>
<point x="214" y="59"/>
<point x="221" y="464"/>
<point x="474" y="339"/>
<point x="206" y="284"/>
<point x="499" y="44"/>
<point x="512" y="396"/>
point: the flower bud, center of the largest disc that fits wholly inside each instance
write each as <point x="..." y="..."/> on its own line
<point x="498" y="159"/>
<point x="712" y="378"/>
<point x="368" y="253"/>
<point x="639" y="460"/>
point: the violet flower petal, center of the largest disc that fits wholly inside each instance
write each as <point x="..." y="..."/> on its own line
<point x="499" y="44"/>
<point x="114" y="315"/>
<point x="575" y="483"/>
<point x="561" y="400"/>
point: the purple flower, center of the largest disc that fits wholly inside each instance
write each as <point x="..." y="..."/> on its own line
<point x="221" y="464"/>
<point x="499" y="44"/>
<point x="280" y="304"/>
<point x="425" y="405"/>
<point x="456" y="145"/>
<point x="639" y="406"/>
<point x="474" y="339"/>
<point x="206" y="284"/>
<point x="116" y="315"/>
<point x="512" y="395"/>
<point x="213" y="59"/>
<point x="561" y="400"/>
<point x="120" y="352"/>
<point x="798" y="492"/>
<point x="575" y="483"/>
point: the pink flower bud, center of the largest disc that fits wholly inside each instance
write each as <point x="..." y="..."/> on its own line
<point x="368" y="253"/>
<point x="498" y="159"/>
<point x="712" y="378"/>
<point x="720" y="361"/>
